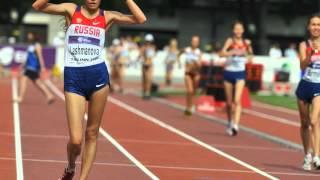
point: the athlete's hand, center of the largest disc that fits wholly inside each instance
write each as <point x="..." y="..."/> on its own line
<point x="236" y="52"/>
<point x="316" y="46"/>
<point x="250" y="59"/>
<point x="39" y="3"/>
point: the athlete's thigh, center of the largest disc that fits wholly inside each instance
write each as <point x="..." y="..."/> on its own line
<point x="195" y="81"/>
<point x="75" y="109"/>
<point x="315" y="109"/>
<point x="149" y="73"/>
<point x="304" y="111"/>
<point x="96" y="108"/>
<point x="228" y="90"/>
<point x="239" y="86"/>
<point x="188" y="83"/>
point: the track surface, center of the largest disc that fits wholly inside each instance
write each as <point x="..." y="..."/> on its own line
<point x="132" y="122"/>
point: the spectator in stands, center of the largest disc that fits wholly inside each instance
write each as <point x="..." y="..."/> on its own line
<point x="275" y="51"/>
<point x="291" y="51"/>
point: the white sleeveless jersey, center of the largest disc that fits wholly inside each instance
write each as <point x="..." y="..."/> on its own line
<point x="150" y="52"/>
<point x="171" y="56"/>
<point x="192" y="55"/>
<point x="85" y="40"/>
<point x="237" y="63"/>
<point x="312" y="72"/>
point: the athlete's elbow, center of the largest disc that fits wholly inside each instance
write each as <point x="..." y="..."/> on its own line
<point x="141" y="20"/>
<point x="35" y="7"/>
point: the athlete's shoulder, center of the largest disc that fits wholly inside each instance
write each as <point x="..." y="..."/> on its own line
<point x="247" y="41"/>
<point x="187" y="49"/>
<point x="70" y="7"/>
<point x="229" y="41"/>
<point x="304" y="44"/>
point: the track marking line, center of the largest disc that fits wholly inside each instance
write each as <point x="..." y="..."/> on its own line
<point x="138" y="141"/>
<point x="280" y="109"/>
<point x="215" y="145"/>
<point x="17" y="130"/>
<point x="255" y="113"/>
<point x="108" y="137"/>
<point x="269" y="137"/>
<point x="312" y="174"/>
<point x="271" y="117"/>
<point x="188" y="137"/>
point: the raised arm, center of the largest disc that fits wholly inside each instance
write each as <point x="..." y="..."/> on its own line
<point x="137" y="16"/>
<point x="63" y="9"/>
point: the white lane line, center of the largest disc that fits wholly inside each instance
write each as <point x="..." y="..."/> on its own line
<point x="167" y="167"/>
<point x="249" y="130"/>
<point x="17" y="130"/>
<point x="139" y="141"/>
<point x="109" y="138"/>
<point x="272" y="118"/>
<point x="215" y="145"/>
<point x="254" y="113"/>
<point x="278" y="108"/>
<point x="188" y="137"/>
<point x="128" y="155"/>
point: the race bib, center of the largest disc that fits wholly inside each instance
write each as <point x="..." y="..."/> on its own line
<point x="312" y="75"/>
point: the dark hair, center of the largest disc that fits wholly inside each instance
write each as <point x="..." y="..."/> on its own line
<point x="315" y="15"/>
<point x="237" y="22"/>
<point x="35" y="36"/>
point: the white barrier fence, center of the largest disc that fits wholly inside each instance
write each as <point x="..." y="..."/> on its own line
<point x="270" y="65"/>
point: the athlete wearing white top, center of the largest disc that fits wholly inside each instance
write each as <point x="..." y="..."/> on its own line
<point x="312" y="71"/>
<point x="192" y="55"/>
<point x="85" y="40"/>
<point x="85" y="70"/>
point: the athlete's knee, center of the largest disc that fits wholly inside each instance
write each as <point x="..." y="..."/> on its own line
<point x="76" y="141"/>
<point x="75" y="147"/>
<point x="314" y="122"/>
<point x="229" y="106"/>
<point x="304" y="125"/>
<point x="237" y="103"/>
<point x="92" y="134"/>
<point x="189" y="91"/>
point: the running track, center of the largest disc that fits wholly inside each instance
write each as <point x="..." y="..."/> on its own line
<point x="144" y="140"/>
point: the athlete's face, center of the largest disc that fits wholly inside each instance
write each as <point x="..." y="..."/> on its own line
<point x="314" y="27"/>
<point x="92" y="4"/>
<point x="238" y="30"/>
<point x="30" y="37"/>
<point x="195" y="41"/>
<point x="173" y="43"/>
